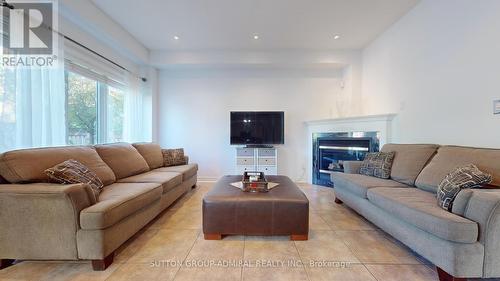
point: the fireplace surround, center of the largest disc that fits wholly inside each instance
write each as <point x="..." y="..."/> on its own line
<point x="330" y="150"/>
<point x="379" y="125"/>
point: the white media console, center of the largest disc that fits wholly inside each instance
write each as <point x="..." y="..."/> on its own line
<point x="257" y="159"/>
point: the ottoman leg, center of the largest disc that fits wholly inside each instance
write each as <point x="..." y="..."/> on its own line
<point x="213" y="236"/>
<point x="299" y="237"/>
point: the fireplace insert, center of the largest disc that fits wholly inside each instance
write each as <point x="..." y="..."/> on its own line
<point x="330" y="150"/>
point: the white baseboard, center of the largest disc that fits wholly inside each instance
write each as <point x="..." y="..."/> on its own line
<point x="207" y="179"/>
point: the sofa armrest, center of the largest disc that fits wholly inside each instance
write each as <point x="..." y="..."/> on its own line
<point x="352" y="167"/>
<point x="483" y="207"/>
<point x="40" y="221"/>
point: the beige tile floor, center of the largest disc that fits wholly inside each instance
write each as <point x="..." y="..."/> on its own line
<point x="341" y="246"/>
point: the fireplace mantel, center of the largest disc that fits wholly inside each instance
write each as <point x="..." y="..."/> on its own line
<point x="354" y="119"/>
<point x="369" y="123"/>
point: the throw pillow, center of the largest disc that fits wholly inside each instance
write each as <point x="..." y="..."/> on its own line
<point x="377" y="164"/>
<point x="72" y="171"/>
<point x="463" y="177"/>
<point x="173" y="157"/>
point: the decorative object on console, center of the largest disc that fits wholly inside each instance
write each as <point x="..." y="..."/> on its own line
<point x="468" y="176"/>
<point x="72" y="171"/>
<point x="173" y="157"/>
<point x="377" y="164"/>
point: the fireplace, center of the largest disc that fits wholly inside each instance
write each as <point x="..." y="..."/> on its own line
<point x="330" y="150"/>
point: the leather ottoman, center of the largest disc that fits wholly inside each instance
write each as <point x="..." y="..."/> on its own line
<point x="284" y="210"/>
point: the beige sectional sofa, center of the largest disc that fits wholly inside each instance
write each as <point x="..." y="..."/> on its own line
<point x="464" y="243"/>
<point x="46" y="221"/>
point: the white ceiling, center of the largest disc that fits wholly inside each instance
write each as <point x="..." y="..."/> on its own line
<point x="231" y="24"/>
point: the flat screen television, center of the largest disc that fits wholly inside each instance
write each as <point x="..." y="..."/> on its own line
<point x="257" y="127"/>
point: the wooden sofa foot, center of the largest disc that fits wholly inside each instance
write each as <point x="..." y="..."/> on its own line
<point x="4" y="263"/>
<point x="338" y="201"/>
<point x="213" y="236"/>
<point x="444" y="276"/>
<point x="299" y="237"/>
<point x="101" y="265"/>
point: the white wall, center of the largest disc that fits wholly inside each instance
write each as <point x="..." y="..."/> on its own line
<point x="194" y="108"/>
<point x="153" y="82"/>
<point x="438" y="67"/>
<point x="198" y="89"/>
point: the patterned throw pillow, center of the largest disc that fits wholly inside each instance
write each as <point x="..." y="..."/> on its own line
<point x="463" y="177"/>
<point x="72" y="171"/>
<point x="173" y="157"/>
<point x="377" y="164"/>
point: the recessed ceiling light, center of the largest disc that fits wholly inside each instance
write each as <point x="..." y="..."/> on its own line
<point x="336" y="37"/>
<point x="176" y="37"/>
<point x="256" y="37"/>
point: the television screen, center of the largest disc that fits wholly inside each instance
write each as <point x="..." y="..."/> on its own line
<point x="257" y="127"/>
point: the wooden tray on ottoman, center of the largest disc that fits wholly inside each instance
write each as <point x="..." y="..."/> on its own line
<point x="255" y="186"/>
<point x="281" y="211"/>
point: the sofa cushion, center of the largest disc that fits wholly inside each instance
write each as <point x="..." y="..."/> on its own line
<point x="118" y="201"/>
<point x="448" y="158"/>
<point x="169" y="180"/>
<point x="461" y="202"/>
<point x="377" y="164"/>
<point x="419" y="208"/>
<point x="123" y="159"/>
<point x="409" y="160"/>
<point x="187" y="170"/>
<point x="360" y="184"/>
<point x="29" y="165"/>
<point x="173" y="157"/>
<point x="72" y="171"/>
<point x="151" y="152"/>
<point x="461" y="178"/>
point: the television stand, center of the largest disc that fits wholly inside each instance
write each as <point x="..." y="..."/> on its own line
<point x="257" y="160"/>
<point x="259" y="146"/>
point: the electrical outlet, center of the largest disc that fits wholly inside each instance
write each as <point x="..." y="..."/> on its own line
<point x="496" y="107"/>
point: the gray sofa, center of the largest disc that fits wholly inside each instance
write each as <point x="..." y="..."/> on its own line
<point x="46" y="221"/>
<point x="464" y="243"/>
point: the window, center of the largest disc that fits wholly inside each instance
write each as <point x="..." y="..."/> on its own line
<point x="81" y="109"/>
<point x="94" y="109"/>
<point x="83" y="101"/>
